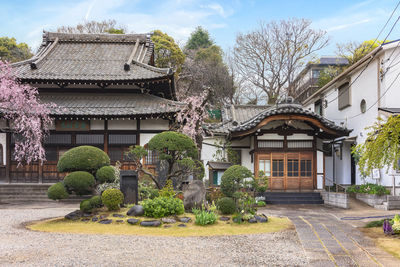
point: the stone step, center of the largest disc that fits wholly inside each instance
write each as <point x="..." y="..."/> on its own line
<point x="292" y="198"/>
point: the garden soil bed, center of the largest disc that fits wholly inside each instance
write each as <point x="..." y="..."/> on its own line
<point x="62" y="225"/>
<point x="389" y="243"/>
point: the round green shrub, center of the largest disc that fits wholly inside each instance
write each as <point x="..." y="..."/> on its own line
<point x="226" y="205"/>
<point x="112" y="198"/>
<point x="57" y="191"/>
<point x="232" y="179"/>
<point x="83" y="158"/>
<point x="95" y="201"/>
<point x="86" y="206"/>
<point x="162" y="206"/>
<point x="80" y="182"/>
<point x="105" y="174"/>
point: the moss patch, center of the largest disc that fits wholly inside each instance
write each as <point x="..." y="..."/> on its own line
<point x="61" y="225"/>
<point x="390" y="244"/>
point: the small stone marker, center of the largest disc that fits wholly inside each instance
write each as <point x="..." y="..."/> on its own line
<point x="182" y="225"/>
<point x="118" y="215"/>
<point x="119" y="221"/>
<point x="252" y="220"/>
<point x="129" y="186"/>
<point x="95" y="219"/>
<point x="261" y="218"/>
<point x="168" y="220"/>
<point x="224" y="219"/>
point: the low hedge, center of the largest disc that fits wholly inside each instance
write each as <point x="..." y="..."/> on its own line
<point x="95" y="201"/>
<point x="86" y="206"/>
<point x="79" y="182"/>
<point x="57" y="191"/>
<point x="163" y="206"/>
<point x="83" y="158"/>
<point x="372" y="189"/>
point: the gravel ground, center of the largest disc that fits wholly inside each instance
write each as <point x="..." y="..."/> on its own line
<point x="22" y="247"/>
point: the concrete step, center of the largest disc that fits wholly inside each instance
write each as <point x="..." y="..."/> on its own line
<point x="292" y="198"/>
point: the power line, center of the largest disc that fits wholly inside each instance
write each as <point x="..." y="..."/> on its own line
<point x="380" y="32"/>
<point x="366" y="66"/>
<point x="384" y="93"/>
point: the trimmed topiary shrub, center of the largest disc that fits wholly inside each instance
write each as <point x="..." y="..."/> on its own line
<point x="226" y="205"/>
<point x="95" y="201"/>
<point x="83" y="158"/>
<point x="232" y="179"/>
<point x="80" y="182"/>
<point x="57" y="191"/>
<point x="112" y="198"/>
<point x="105" y="174"/>
<point x="163" y="206"/>
<point x="86" y="206"/>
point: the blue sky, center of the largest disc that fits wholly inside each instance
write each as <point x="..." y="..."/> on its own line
<point x="344" y="20"/>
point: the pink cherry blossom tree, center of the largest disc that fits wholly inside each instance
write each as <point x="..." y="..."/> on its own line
<point x="190" y="119"/>
<point x="28" y="118"/>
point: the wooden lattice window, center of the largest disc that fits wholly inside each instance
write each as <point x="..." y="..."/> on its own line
<point x="270" y="143"/>
<point x="300" y="144"/>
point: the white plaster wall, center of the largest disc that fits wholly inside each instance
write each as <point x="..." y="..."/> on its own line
<point x="246" y="160"/>
<point x="122" y="125"/>
<point x="208" y="150"/>
<point x="300" y="137"/>
<point x="328" y="169"/>
<point x="97" y="125"/>
<point x="3" y="138"/>
<point x="270" y="137"/>
<point x="154" y="124"/>
<point x="145" y="138"/>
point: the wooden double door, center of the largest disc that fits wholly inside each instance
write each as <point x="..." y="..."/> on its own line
<point x="287" y="171"/>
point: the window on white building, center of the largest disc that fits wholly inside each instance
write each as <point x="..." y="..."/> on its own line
<point x="344" y="96"/>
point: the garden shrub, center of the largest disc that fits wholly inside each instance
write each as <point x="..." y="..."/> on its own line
<point x="372" y="189"/>
<point x="214" y="194"/>
<point x="80" y="182"/>
<point x="112" y="198"/>
<point x="261" y="203"/>
<point x="396" y="224"/>
<point x="205" y="217"/>
<point x="95" y="201"/>
<point x="86" y="206"/>
<point x="147" y="191"/>
<point x="57" y="191"/>
<point x="163" y="206"/>
<point x="167" y="190"/>
<point x="226" y="205"/>
<point x="232" y="179"/>
<point x="83" y="158"/>
<point x="105" y="174"/>
<point x="374" y="224"/>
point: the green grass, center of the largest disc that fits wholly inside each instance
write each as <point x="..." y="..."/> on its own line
<point x="61" y="225"/>
<point x="374" y="224"/>
<point x="390" y="244"/>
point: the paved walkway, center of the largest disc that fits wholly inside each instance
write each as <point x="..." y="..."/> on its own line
<point x="330" y="241"/>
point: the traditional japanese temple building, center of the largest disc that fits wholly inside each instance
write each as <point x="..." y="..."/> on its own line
<point x="286" y="141"/>
<point x="108" y="92"/>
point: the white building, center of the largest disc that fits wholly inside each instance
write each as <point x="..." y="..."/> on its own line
<point x="355" y="99"/>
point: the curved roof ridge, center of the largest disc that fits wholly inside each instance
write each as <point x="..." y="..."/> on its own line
<point x="167" y="71"/>
<point x="94" y="37"/>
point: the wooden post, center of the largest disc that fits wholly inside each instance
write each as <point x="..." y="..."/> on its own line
<point x="106" y="136"/>
<point x="40" y="171"/>
<point x="138" y="131"/>
<point x="8" y="157"/>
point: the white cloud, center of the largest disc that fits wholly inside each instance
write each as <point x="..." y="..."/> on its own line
<point x="347" y="25"/>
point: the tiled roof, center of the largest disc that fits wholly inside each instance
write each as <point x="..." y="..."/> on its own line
<point x="247" y="117"/>
<point x="391" y="110"/>
<point x="286" y="109"/>
<point x="234" y="115"/>
<point x="109" y="105"/>
<point x="92" y="57"/>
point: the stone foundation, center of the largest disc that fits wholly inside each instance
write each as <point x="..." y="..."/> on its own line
<point x="340" y="200"/>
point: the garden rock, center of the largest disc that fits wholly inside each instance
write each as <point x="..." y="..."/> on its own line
<point x="154" y="223"/>
<point x="103" y="216"/>
<point x="168" y="220"/>
<point x="136" y="210"/>
<point x="252" y="220"/>
<point x="261" y="218"/>
<point x="95" y="219"/>
<point x="118" y="215"/>
<point x="87" y="215"/>
<point x="85" y="220"/>
<point x="185" y="219"/>
<point x="167" y="226"/>
<point x="224" y="219"/>
<point x="195" y="195"/>
<point x="105" y="221"/>
<point x="119" y="221"/>
<point x="182" y="225"/>
<point x="132" y="221"/>
<point x="75" y="215"/>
